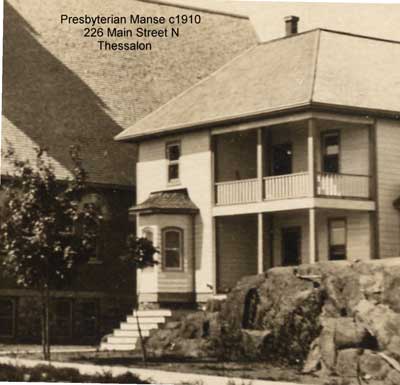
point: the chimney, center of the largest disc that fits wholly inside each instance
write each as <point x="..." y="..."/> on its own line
<point x="291" y="25"/>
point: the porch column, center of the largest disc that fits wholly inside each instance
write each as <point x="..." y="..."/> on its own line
<point x="260" y="157"/>
<point x="260" y="243"/>
<point x="311" y="157"/>
<point x="312" y="235"/>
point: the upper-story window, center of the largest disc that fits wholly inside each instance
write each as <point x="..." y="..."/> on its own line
<point x="173" y="153"/>
<point x="337" y="239"/>
<point x="172" y="248"/>
<point x="330" y="152"/>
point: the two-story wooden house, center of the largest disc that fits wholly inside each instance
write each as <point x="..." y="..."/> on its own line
<point x="288" y="154"/>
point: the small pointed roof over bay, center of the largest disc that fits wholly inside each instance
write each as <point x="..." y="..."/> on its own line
<point x="167" y="202"/>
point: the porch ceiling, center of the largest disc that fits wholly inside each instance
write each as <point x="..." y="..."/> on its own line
<point x="318" y="67"/>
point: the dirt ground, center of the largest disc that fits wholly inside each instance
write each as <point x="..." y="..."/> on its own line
<point x="248" y="370"/>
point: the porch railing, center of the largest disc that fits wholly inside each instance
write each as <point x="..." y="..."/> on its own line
<point x="343" y="185"/>
<point x="286" y="186"/>
<point x="292" y="186"/>
<point x="238" y="191"/>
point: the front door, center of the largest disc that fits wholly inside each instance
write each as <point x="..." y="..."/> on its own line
<point x="291" y="246"/>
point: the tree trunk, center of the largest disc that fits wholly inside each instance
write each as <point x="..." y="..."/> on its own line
<point x="43" y="321"/>
<point x="47" y="323"/>
<point x="142" y="344"/>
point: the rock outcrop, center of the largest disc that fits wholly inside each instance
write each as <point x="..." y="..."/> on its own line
<point x="330" y="318"/>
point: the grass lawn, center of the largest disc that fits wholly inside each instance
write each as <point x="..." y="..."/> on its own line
<point x="46" y="373"/>
<point x="248" y="370"/>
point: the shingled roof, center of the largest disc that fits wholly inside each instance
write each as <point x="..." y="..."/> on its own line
<point x="59" y="89"/>
<point x="315" y="67"/>
<point x="168" y="201"/>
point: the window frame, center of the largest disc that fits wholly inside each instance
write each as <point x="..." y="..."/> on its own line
<point x="13" y="317"/>
<point x="181" y="233"/>
<point x="324" y="134"/>
<point x="173" y="181"/>
<point x="56" y="318"/>
<point x="102" y="226"/>
<point x="330" y="221"/>
<point x="94" y="319"/>
<point x="147" y="230"/>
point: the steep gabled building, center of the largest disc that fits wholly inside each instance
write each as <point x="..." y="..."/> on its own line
<point x="59" y="90"/>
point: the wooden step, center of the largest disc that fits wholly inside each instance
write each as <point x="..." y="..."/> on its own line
<point x="130" y="333"/>
<point x="133" y="326"/>
<point x="145" y="320"/>
<point x="115" y="347"/>
<point x="122" y="340"/>
<point x="153" y="313"/>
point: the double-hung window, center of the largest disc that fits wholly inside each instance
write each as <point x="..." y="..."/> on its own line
<point x="337" y="239"/>
<point x="172" y="238"/>
<point x="173" y="153"/>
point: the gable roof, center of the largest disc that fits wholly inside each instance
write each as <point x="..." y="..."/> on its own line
<point x="60" y="89"/>
<point x="318" y="66"/>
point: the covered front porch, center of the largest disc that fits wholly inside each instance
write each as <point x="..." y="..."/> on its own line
<point x="250" y="244"/>
<point x="314" y="157"/>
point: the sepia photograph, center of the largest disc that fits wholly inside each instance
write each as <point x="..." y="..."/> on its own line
<point x="200" y="192"/>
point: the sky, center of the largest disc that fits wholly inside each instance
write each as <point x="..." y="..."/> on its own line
<point x="378" y="20"/>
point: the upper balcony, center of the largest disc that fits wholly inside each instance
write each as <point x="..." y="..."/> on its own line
<point x="300" y="160"/>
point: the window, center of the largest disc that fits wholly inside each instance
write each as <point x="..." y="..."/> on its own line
<point x="62" y="318"/>
<point x="100" y="204"/>
<point x="89" y="319"/>
<point x="337" y="239"/>
<point x="147" y="233"/>
<point x="330" y="152"/>
<point x="7" y="313"/>
<point x="173" y="249"/>
<point x="173" y="155"/>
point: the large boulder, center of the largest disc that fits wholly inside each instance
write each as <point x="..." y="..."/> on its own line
<point x="382" y="323"/>
<point x="347" y="362"/>
<point x="373" y="366"/>
<point x="340" y="318"/>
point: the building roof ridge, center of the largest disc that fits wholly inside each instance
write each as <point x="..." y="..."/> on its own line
<point x="197" y="8"/>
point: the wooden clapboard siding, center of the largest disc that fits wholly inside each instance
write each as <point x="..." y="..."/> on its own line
<point x="354" y="147"/>
<point x="359" y="240"/>
<point x="388" y="186"/>
<point x="236" y="156"/>
<point x="236" y="249"/>
<point x="195" y="175"/>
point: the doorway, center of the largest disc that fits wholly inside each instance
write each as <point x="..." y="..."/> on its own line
<point x="291" y="246"/>
<point x="282" y="157"/>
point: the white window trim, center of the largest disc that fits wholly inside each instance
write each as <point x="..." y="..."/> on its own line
<point x="181" y="247"/>
<point x="176" y="181"/>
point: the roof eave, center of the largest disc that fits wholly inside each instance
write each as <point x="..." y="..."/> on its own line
<point x="159" y="210"/>
<point x="300" y="107"/>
